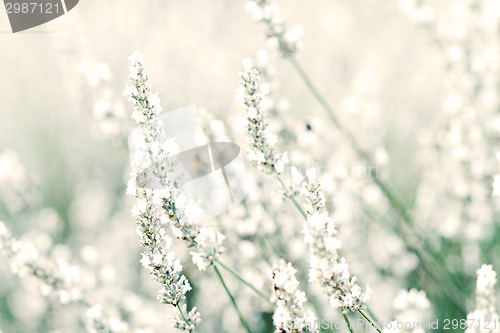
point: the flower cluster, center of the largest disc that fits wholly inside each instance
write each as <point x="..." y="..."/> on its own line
<point x="209" y="248"/>
<point x="207" y="245"/>
<point x="280" y="37"/>
<point x="58" y="280"/>
<point x="110" y="119"/>
<point x="418" y="11"/>
<point x="262" y="150"/>
<point x="485" y="318"/>
<point x="146" y="113"/>
<point x="289" y="316"/>
<point x="411" y="307"/>
<point x="161" y="262"/>
<point x="327" y="268"/>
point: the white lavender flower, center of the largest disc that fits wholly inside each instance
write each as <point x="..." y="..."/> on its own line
<point x="146" y="113"/>
<point x="59" y="280"/>
<point x="280" y="37"/>
<point x="162" y="264"/>
<point x="159" y="148"/>
<point x="327" y="268"/>
<point x="262" y="151"/>
<point x="485" y="318"/>
<point x="206" y="244"/>
<point x="181" y="222"/>
<point x="289" y="315"/>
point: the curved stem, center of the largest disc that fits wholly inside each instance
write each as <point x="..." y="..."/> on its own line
<point x="346" y="319"/>
<point x="374" y="325"/>
<point x="242" y="320"/>
<point x="248" y="284"/>
<point x="399" y="206"/>
<point x="396" y="203"/>
<point x="292" y="199"/>
<point x="182" y="314"/>
<point x="227" y="268"/>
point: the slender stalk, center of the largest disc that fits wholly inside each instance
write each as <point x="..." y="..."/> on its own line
<point x="346" y="319"/>
<point x="399" y="206"/>
<point x="298" y="207"/>
<point x="292" y="199"/>
<point x="396" y="203"/>
<point x="242" y="320"/>
<point x="182" y="314"/>
<point x="248" y="284"/>
<point x="232" y="271"/>
<point x="370" y="312"/>
<point x="374" y="325"/>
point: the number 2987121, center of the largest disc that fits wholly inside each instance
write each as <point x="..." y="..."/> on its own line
<point x="32" y="8"/>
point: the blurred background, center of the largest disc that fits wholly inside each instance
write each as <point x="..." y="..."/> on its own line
<point x="418" y="89"/>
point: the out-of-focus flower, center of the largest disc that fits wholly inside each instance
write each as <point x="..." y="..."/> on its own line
<point x="17" y="187"/>
<point x="110" y="119"/>
<point x="411" y="307"/>
<point x="496" y="185"/>
<point x="463" y="139"/>
<point x="282" y="38"/>
<point x="418" y="11"/>
<point x="59" y="280"/>
<point x="98" y="322"/>
<point x="485" y="318"/>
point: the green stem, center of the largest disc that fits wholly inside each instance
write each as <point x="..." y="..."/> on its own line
<point x="248" y="284"/>
<point x="298" y="207"/>
<point x="292" y="199"/>
<point x="370" y="312"/>
<point x="346" y="319"/>
<point x="182" y="314"/>
<point x="227" y="268"/>
<point x="397" y="204"/>
<point x="242" y="320"/>
<point x="374" y="325"/>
